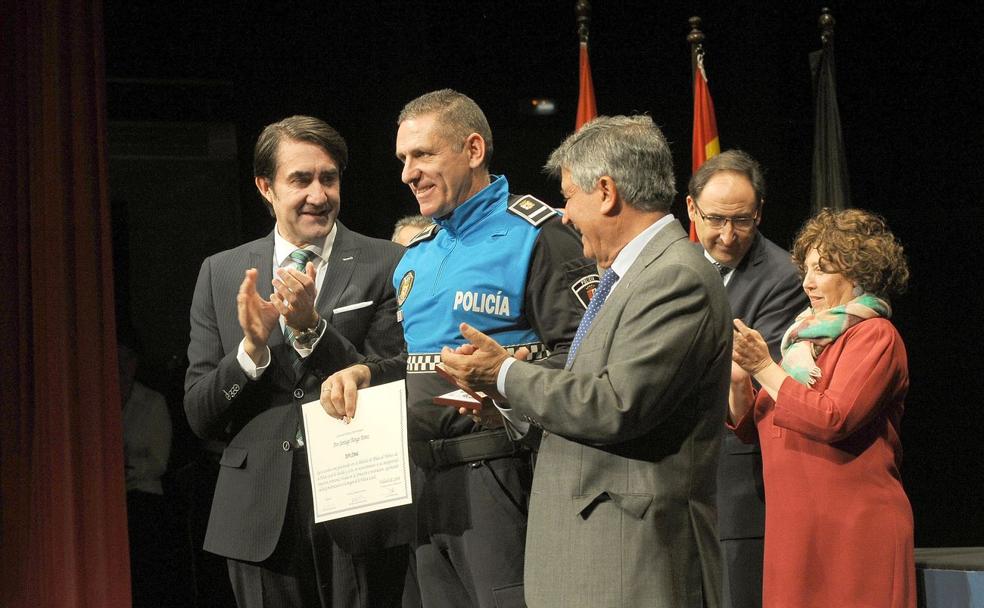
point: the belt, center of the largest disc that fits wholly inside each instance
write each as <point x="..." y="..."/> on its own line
<point x="484" y="445"/>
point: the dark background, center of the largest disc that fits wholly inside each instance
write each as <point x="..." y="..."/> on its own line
<point x="191" y="84"/>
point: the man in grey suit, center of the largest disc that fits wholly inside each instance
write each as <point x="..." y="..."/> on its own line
<point x="269" y="321"/>
<point x="725" y="200"/>
<point x="622" y="509"/>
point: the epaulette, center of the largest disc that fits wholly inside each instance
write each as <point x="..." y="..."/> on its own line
<point x="532" y="209"/>
<point x="424" y="235"/>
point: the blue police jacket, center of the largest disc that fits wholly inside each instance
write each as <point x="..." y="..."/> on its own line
<point x="472" y="270"/>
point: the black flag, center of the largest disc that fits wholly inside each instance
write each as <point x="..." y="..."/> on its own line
<point x="831" y="187"/>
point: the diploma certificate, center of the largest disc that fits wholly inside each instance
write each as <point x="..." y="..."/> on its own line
<point x="364" y="465"/>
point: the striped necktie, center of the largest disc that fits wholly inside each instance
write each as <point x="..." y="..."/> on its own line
<point x="298" y="261"/>
<point x="608" y="279"/>
<point x="722" y="269"/>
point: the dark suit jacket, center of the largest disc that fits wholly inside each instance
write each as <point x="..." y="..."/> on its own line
<point x="766" y="293"/>
<point x="622" y="511"/>
<point x="259" y="419"/>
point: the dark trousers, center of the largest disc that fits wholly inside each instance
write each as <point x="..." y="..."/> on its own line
<point x="308" y="570"/>
<point x="742" y="572"/>
<point x="472" y="533"/>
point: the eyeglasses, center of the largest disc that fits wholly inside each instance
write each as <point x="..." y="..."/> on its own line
<point x="718" y="222"/>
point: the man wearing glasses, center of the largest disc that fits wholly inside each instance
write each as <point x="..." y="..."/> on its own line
<point x="724" y="200"/>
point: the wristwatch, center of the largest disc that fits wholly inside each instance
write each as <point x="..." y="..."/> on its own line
<point x="307" y="338"/>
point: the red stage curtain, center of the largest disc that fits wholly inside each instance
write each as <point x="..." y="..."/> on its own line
<point x="62" y="507"/>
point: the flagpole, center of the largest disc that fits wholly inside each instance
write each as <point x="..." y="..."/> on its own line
<point x="696" y="40"/>
<point x="586" y="108"/>
<point x="582" y="8"/>
<point x="704" y="143"/>
<point x="826" y="23"/>
<point x="830" y="185"/>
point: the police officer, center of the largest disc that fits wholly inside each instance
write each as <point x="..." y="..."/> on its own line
<point x="508" y="266"/>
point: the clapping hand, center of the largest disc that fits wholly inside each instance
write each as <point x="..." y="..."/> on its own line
<point x="750" y="350"/>
<point x="475" y="365"/>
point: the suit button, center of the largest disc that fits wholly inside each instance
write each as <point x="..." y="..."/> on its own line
<point x="298" y="393"/>
<point x="286" y="446"/>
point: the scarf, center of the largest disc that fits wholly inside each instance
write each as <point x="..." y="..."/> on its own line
<point x="811" y="333"/>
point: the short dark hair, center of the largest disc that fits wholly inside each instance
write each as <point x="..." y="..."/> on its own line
<point x="857" y="244"/>
<point x="296" y="128"/>
<point x="729" y="160"/>
<point x="458" y="116"/>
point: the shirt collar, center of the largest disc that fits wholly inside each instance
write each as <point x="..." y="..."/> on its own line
<point x="747" y="256"/>
<point x="282" y="248"/>
<point x="628" y="255"/>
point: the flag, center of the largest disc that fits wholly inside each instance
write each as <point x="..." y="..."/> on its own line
<point x="830" y="183"/>
<point x="586" y="109"/>
<point x="705" y="141"/>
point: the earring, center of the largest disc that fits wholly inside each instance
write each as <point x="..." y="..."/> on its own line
<point x="857" y="291"/>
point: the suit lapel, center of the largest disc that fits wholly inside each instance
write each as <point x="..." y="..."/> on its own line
<point x="655" y="248"/>
<point x="650" y="253"/>
<point x="338" y="273"/>
<point x="739" y="285"/>
<point x="341" y="264"/>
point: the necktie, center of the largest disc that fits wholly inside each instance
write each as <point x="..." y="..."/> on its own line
<point x="608" y="279"/>
<point x="300" y="258"/>
<point x="298" y="261"/>
<point x="722" y="269"/>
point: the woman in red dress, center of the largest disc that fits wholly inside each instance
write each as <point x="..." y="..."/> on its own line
<point x="838" y="526"/>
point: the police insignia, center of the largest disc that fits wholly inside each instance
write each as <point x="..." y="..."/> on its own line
<point x="406" y="284"/>
<point x="532" y="209"/>
<point x="424" y="235"/>
<point x="585" y="287"/>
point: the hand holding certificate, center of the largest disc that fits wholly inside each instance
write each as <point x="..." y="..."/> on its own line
<point x="363" y="465"/>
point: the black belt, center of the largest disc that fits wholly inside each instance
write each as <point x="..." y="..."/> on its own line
<point x="484" y="445"/>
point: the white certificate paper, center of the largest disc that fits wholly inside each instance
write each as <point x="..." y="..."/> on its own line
<point x="364" y="465"/>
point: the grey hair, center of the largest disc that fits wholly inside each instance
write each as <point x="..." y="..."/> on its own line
<point x="458" y="116"/>
<point x="730" y="160"/>
<point x="630" y="149"/>
<point x="418" y="221"/>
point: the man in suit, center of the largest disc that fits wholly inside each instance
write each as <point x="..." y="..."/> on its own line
<point x="622" y="509"/>
<point x="725" y="200"/>
<point x="269" y="321"/>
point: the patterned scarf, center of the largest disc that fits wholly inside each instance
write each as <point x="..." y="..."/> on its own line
<point x="811" y="333"/>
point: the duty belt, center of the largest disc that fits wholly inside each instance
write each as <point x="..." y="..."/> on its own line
<point x="426" y="362"/>
<point x="484" y="445"/>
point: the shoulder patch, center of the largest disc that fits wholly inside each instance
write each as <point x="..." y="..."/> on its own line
<point x="532" y="209"/>
<point x="424" y="235"/>
<point x="406" y="284"/>
<point x="585" y="287"/>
